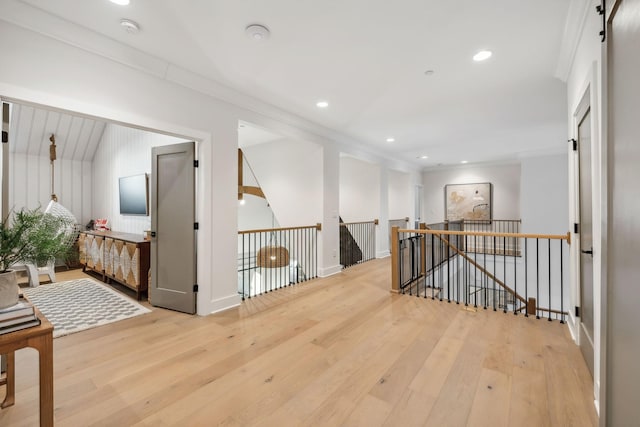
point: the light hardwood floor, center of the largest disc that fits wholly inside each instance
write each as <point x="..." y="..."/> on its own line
<point x="336" y="351"/>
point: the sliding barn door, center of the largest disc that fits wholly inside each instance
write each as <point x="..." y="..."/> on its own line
<point x="623" y="289"/>
<point x="173" y="241"/>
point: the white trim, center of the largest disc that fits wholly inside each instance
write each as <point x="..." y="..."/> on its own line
<point x="330" y="271"/>
<point x="573" y="29"/>
<point x="221" y="304"/>
<point x="383" y="254"/>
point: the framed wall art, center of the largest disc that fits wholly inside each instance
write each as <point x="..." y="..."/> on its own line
<point x="468" y="201"/>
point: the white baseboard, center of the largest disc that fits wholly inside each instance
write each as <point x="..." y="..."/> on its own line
<point x="383" y="254"/>
<point x="571" y="323"/>
<point x="330" y="271"/>
<point x="220" y="304"/>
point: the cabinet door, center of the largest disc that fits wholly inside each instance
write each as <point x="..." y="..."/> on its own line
<point x="132" y="274"/>
<point x="108" y="256"/>
<point x="118" y="249"/>
<point x="82" y="249"/>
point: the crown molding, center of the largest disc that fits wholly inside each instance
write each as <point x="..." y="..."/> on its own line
<point x="573" y="28"/>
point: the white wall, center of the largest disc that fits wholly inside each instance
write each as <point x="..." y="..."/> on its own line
<point x="30" y="184"/>
<point x="544" y="192"/>
<point x="400" y="195"/>
<point x="123" y="151"/>
<point x="506" y="189"/>
<point x="290" y="175"/>
<point x="359" y="190"/>
<point x="586" y="73"/>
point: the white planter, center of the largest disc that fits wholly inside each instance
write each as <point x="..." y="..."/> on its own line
<point x="9" y="289"/>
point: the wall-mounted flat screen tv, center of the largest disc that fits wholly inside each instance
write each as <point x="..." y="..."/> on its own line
<point x="134" y="195"/>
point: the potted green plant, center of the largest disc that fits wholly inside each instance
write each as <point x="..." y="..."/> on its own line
<point x="29" y="236"/>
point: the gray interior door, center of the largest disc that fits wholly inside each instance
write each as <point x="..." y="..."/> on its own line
<point x="623" y="240"/>
<point x="173" y="241"/>
<point x="586" y="235"/>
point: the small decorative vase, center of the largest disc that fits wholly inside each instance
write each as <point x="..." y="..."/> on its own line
<point x="9" y="289"/>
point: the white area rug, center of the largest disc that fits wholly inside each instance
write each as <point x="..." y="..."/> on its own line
<point x="81" y="304"/>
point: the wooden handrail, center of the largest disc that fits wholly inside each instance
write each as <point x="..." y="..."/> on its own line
<point x="405" y="219"/>
<point x="318" y="227"/>
<point x="373" y="221"/>
<point x="488" y="221"/>
<point x="566" y="237"/>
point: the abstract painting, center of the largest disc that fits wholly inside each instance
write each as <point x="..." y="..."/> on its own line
<point x="468" y="201"/>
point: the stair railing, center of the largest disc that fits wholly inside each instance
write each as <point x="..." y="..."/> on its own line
<point x="530" y="282"/>
<point x="357" y="242"/>
<point x="273" y="258"/>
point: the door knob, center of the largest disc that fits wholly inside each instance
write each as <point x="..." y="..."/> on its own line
<point x="590" y="251"/>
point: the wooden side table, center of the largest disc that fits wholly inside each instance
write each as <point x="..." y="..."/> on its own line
<point x="40" y="338"/>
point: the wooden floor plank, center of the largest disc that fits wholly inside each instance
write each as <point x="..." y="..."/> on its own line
<point x="492" y="400"/>
<point x="336" y="351"/>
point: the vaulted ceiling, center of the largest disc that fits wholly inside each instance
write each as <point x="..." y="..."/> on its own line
<point x="77" y="137"/>
<point x="368" y="59"/>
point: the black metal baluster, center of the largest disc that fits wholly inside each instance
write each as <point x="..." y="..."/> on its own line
<point x="433" y="268"/>
<point x="561" y="284"/>
<point x="504" y="267"/>
<point x="448" y="276"/>
<point x="526" y="278"/>
<point x="537" y="277"/>
<point x="515" y="276"/>
<point x="484" y="284"/>
<point x="466" y="275"/>
<point x="549" y="245"/>
<point x="494" y="273"/>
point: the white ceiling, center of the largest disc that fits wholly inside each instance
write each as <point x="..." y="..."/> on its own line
<point x="368" y="58"/>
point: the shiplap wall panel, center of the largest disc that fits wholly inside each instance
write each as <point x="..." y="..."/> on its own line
<point x="43" y="169"/>
<point x="69" y="147"/>
<point x="37" y="131"/>
<point x="122" y="152"/>
<point x="30" y="169"/>
<point x="30" y="185"/>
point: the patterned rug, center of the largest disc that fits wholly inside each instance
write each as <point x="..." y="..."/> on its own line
<point x="81" y="304"/>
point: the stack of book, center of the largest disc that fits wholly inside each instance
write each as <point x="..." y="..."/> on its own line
<point x="19" y="316"/>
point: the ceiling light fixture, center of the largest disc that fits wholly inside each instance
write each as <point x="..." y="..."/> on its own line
<point x="482" y="55"/>
<point x="121" y="2"/>
<point x="322" y="104"/>
<point x="464" y="162"/>
<point x="130" y="26"/>
<point x="422" y="157"/>
<point x="391" y="139"/>
<point x="257" y="32"/>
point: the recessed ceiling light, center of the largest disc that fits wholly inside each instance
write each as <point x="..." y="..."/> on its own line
<point x="482" y="55"/>
<point x="391" y="139"/>
<point x="257" y="32"/>
<point x="464" y="162"/>
<point x="322" y="104"/>
<point x="422" y="157"/>
<point x="130" y="26"/>
<point x="121" y="2"/>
